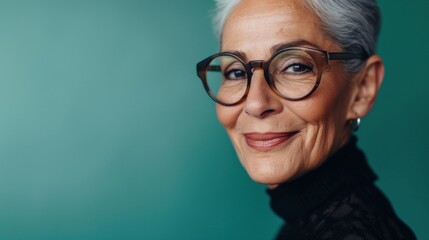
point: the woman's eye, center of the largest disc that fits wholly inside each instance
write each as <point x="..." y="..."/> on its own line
<point x="298" y="68"/>
<point x="235" y="74"/>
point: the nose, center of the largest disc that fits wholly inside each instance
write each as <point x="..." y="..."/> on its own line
<point x="261" y="101"/>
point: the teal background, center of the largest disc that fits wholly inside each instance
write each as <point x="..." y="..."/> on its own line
<point x="107" y="133"/>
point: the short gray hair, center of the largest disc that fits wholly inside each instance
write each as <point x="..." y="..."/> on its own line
<point x="353" y="24"/>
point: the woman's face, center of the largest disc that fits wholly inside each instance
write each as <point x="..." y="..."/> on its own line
<point x="277" y="140"/>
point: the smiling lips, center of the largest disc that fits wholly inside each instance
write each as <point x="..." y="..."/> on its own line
<point x="267" y="141"/>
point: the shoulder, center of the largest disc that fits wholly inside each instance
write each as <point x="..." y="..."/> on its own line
<point x="362" y="214"/>
<point x="371" y="227"/>
<point x="352" y="227"/>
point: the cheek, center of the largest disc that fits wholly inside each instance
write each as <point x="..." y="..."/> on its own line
<point x="328" y="105"/>
<point x="317" y="109"/>
<point x="227" y="116"/>
<point x="325" y="116"/>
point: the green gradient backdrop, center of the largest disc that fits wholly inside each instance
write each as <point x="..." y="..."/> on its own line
<point x="106" y="132"/>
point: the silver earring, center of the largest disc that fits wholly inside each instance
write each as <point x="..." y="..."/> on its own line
<point x="355" y="124"/>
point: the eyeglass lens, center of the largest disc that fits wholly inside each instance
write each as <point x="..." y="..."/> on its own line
<point x="293" y="72"/>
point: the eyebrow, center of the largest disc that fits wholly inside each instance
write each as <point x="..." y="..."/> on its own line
<point x="296" y="43"/>
<point x="277" y="47"/>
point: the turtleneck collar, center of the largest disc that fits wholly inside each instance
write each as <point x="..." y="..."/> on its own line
<point x="297" y="198"/>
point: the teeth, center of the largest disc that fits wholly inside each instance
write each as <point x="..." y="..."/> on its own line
<point x="268" y="142"/>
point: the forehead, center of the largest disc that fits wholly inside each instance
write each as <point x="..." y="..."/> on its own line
<point x="257" y="24"/>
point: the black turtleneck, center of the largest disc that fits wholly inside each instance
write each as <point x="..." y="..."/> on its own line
<point x="338" y="200"/>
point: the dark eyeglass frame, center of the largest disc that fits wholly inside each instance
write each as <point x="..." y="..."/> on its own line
<point x="204" y="66"/>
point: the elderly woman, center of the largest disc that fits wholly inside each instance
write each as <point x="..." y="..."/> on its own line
<point x="291" y="83"/>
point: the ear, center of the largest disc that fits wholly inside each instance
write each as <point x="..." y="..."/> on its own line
<point x="366" y="84"/>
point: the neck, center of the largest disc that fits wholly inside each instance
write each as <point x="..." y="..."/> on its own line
<point x="345" y="168"/>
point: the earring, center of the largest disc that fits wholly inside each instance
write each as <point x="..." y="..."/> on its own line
<point x="355" y="124"/>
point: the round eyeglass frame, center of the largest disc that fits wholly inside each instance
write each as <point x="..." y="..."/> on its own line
<point x="204" y="66"/>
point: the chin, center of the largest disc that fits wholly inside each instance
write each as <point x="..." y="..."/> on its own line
<point x="269" y="173"/>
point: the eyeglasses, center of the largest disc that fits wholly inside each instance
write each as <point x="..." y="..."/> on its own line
<point x="292" y="73"/>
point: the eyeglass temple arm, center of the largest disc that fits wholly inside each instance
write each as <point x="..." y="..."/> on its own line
<point x="214" y="68"/>
<point x="346" y="56"/>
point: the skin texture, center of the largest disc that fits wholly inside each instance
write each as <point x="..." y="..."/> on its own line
<point x="320" y="123"/>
